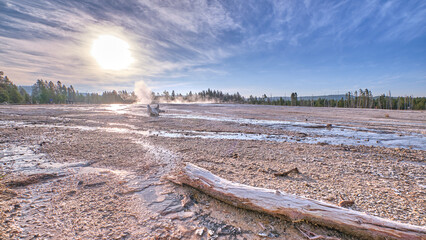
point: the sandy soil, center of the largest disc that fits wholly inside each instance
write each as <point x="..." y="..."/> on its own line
<point x="95" y="172"/>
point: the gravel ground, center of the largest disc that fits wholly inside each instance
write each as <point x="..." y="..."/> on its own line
<point x="96" y="171"/>
<point x="382" y="182"/>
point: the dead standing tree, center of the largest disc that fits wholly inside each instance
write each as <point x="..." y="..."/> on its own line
<point x="154" y="112"/>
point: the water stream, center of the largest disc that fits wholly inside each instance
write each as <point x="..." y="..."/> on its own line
<point x="305" y="133"/>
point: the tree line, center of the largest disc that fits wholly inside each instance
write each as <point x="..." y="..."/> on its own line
<point x="10" y="93"/>
<point x="356" y="99"/>
<point x="44" y="92"/>
<point x="48" y="92"/>
<point x="208" y="95"/>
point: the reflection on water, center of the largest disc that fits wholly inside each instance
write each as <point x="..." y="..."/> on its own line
<point x="305" y="132"/>
<point x="318" y="133"/>
<point x="28" y="160"/>
<point x="335" y="135"/>
<point x="117" y="108"/>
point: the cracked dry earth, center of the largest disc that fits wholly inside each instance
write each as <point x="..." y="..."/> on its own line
<point x="96" y="171"/>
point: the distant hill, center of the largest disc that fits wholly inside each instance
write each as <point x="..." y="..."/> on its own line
<point x="328" y="97"/>
<point x="28" y="89"/>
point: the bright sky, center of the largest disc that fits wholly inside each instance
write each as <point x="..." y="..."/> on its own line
<point x="250" y="46"/>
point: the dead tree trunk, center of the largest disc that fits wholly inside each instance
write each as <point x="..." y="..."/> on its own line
<point x="153" y="112"/>
<point x="296" y="208"/>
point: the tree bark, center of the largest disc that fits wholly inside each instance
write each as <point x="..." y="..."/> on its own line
<point x="296" y="208"/>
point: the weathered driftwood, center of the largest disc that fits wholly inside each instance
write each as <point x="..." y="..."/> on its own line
<point x="296" y="208"/>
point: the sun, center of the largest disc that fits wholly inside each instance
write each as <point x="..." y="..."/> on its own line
<point x="111" y="52"/>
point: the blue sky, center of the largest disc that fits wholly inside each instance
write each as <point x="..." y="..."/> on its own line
<point x="254" y="47"/>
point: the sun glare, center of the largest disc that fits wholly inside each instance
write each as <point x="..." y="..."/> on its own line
<point x="111" y="53"/>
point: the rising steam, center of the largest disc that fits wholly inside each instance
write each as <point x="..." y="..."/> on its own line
<point x="145" y="96"/>
<point x="143" y="92"/>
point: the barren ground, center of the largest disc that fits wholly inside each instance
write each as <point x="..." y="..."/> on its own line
<point x="95" y="171"/>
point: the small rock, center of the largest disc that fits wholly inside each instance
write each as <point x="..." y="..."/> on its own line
<point x="180" y="215"/>
<point x="330" y="198"/>
<point x="70" y="193"/>
<point x="185" y="201"/>
<point x="346" y="203"/>
<point x="210" y="232"/>
<point x="185" y="231"/>
<point x="199" y="231"/>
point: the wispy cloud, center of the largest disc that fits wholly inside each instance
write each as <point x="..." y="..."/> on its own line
<point x="52" y="38"/>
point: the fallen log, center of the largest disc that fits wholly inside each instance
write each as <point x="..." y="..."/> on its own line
<point x="295" y="208"/>
<point x="286" y="173"/>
